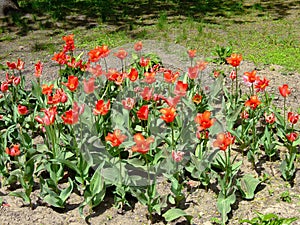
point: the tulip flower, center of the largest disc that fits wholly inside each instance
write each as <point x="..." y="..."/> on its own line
<point x="72" y="83"/>
<point x="89" y="86"/>
<point x="253" y="102"/>
<point x="234" y="59"/>
<point x="116" y="138"/>
<point x="138" y="46"/>
<point x="180" y="88"/>
<point x="293" y="117"/>
<point x="143" y="112"/>
<point x="13" y="151"/>
<point x="101" y="107"/>
<point x="204" y="120"/>
<point x="142" y="144"/>
<point x="284" y="90"/>
<point x="22" y="110"/>
<point x="168" y="114"/>
<point x="133" y="74"/>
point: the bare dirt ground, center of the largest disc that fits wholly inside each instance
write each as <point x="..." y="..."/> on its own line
<point x="200" y="204"/>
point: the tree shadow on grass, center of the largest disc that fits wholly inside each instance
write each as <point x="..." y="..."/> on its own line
<point x="127" y="15"/>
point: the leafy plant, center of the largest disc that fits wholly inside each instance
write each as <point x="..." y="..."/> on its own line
<point x="269" y="219"/>
<point x="285" y="196"/>
<point x="221" y="53"/>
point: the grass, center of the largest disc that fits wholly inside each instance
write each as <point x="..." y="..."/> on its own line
<point x="253" y="28"/>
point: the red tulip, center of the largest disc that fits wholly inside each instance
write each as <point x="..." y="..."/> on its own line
<point x="270" y="119"/>
<point x="133" y="74"/>
<point x="138" y="46"/>
<point x="4" y="87"/>
<point x="192" y="53"/>
<point x="284" y="90"/>
<point x="223" y="141"/>
<point x="38" y="69"/>
<point x="234" y="59"/>
<point x="232" y="75"/>
<point x="143" y="112"/>
<point x="201" y="65"/>
<point x="261" y="85"/>
<point x="121" y="54"/>
<point x="128" y="103"/>
<point x="89" y="86"/>
<point x="244" y="115"/>
<point x="193" y="72"/>
<point x="170" y="77"/>
<point x="142" y="144"/>
<point x="293" y="117"/>
<point x="17" y="81"/>
<point x="150" y="77"/>
<point x="180" y="88"/>
<point x="22" y="109"/>
<point x="61" y="58"/>
<point x="197" y="99"/>
<point x="250" y="77"/>
<point x="144" y="62"/>
<point x="13" y="151"/>
<point x="204" y="120"/>
<point x="168" y="114"/>
<point x="116" y="138"/>
<point x="49" y="116"/>
<point x="177" y="156"/>
<point x="101" y="107"/>
<point x="72" y="83"/>
<point x="47" y="90"/>
<point x="59" y="97"/>
<point x="70" y="117"/>
<point x="69" y="40"/>
<point x="98" y="52"/>
<point x="147" y="93"/>
<point x="292" y="136"/>
<point x="253" y="102"/>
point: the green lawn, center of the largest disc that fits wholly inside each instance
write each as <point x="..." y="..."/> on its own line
<point x="265" y="32"/>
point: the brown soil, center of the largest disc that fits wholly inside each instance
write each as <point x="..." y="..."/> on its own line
<point x="200" y="204"/>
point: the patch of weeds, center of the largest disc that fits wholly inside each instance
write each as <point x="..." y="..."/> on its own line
<point x="6" y="38"/>
<point x="283" y="56"/>
<point x="221" y="53"/>
<point x="269" y="219"/>
<point x="109" y="217"/>
<point x="200" y="27"/>
<point x="285" y="197"/>
<point x="162" y="21"/>
<point x="141" y="34"/>
<point x="43" y="47"/>
<point x="215" y="220"/>
<point x="101" y="37"/>
<point x="19" y="21"/>
<point x="266" y="178"/>
<point x="271" y="192"/>
<point x="182" y="36"/>
<point x="258" y="6"/>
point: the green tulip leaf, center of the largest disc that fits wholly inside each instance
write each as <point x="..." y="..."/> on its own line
<point x="247" y="186"/>
<point x="224" y="205"/>
<point x="175" y="213"/>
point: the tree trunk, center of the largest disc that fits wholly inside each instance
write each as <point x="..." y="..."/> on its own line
<point x="7" y="6"/>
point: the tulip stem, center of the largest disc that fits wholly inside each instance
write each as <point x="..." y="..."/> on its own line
<point x="284" y="119"/>
<point x="236" y="85"/>
<point x="173" y="136"/>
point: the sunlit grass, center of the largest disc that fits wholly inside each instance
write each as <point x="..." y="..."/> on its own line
<point x="252" y="28"/>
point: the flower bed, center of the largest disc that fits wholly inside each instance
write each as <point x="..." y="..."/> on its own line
<point x="122" y="130"/>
